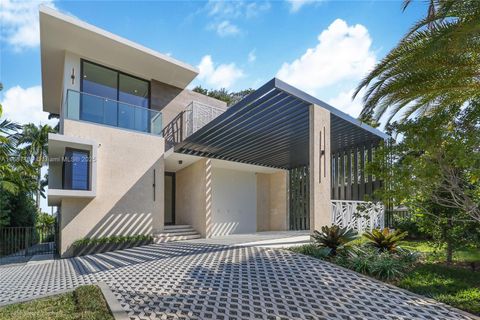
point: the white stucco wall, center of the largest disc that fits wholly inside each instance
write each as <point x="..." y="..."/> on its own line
<point x="124" y="204"/>
<point x="234" y="202"/>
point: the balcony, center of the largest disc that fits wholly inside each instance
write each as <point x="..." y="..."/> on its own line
<point x="91" y="108"/>
<point x="195" y="116"/>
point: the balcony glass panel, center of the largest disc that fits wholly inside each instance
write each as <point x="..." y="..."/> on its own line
<point x="112" y="112"/>
<point x="133" y="90"/>
<point x="99" y="81"/>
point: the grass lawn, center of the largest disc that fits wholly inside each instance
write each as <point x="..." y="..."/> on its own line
<point x="433" y="254"/>
<point x="85" y="303"/>
<point x="455" y="285"/>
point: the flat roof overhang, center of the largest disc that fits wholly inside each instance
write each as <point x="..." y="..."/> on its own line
<point x="270" y="127"/>
<point x="60" y="33"/>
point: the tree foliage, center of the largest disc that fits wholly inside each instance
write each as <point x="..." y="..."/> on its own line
<point x="33" y="142"/>
<point x="224" y="95"/>
<point x="22" y="153"/>
<point x="437" y="159"/>
<point x="434" y="170"/>
<point x="435" y="65"/>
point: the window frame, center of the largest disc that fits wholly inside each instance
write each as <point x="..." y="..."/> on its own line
<point x="88" y="153"/>
<point x="82" y="61"/>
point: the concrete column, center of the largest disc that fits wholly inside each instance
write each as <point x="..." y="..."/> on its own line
<point x="320" y="172"/>
<point x="272" y="201"/>
<point x="193" y="196"/>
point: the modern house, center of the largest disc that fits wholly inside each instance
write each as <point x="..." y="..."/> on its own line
<point x="139" y="153"/>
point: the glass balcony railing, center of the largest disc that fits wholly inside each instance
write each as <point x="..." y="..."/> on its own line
<point x="87" y="107"/>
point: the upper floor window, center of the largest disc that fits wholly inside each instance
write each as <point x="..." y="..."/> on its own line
<point x="129" y="97"/>
<point x="76" y="169"/>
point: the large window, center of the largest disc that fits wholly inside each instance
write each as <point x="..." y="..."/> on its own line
<point x="76" y="169"/>
<point x="127" y="98"/>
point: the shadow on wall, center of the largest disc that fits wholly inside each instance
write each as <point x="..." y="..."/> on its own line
<point x="223" y="228"/>
<point x="133" y="214"/>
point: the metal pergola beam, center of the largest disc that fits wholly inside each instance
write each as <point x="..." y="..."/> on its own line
<point x="270" y="127"/>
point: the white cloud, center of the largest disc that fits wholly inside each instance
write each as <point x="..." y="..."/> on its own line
<point x="223" y="12"/>
<point x="25" y="105"/>
<point x="221" y="76"/>
<point x="343" y="101"/>
<point x="252" y="56"/>
<point x="296" y="5"/>
<point x="225" y="28"/>
<point x="20" y="27"/>
<point x="236" y="9"/>
<point x="343" y="54"/>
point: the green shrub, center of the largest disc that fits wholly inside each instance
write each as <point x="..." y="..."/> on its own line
<point x="385" y="240"/>
<point x="411" y="227"/>
<point x="379" y="264"/>
<point x="311" y="250"/>
<point x="112" y="240"/>
<point x="333" y="238"/>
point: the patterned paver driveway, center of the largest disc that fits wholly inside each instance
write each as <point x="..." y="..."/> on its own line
<point x="205" y="281"/>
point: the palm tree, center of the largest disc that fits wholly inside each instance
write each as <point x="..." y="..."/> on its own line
<point x="34" y="141"/>
<point x="9" y="177"/>
<point x="435" y="65"/>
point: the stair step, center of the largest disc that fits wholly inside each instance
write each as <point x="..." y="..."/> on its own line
<point x="176" y="238"/>
<point x="176" y="230"/>
<point x="174" y="234"/>
<point x="176" y="226"/>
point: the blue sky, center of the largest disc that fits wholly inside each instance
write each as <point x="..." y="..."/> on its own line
<point x="323" y="47"/>
<point x="237" y="44"/>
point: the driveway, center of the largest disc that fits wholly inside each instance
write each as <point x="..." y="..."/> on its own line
<point x="211" y="281"/>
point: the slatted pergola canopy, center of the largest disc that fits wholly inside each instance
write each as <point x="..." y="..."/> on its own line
<point x="270" y="127"/>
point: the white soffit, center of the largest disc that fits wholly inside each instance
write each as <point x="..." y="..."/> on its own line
<point x="60" y="33"/>
<point x="173" y="159"/>
<point x="231" y="165"/>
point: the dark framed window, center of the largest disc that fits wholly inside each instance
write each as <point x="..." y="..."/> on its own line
<point x="123" y="93"/>
<point x="76" y="169"/>
<point x="169" y="198"/>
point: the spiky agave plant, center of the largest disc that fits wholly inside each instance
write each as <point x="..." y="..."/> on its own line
<point x="385" y="240"/>
<point x="333" y="238"/>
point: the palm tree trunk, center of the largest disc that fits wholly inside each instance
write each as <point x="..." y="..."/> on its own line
<point x="37" y="194"/>
<point x="39" y="162"/>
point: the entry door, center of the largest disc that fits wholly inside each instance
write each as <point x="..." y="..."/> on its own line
<point x="169" y="198"/>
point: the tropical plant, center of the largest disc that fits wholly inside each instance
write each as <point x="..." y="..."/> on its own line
<point x="45" y="220"/>
<point x="34" y="141"/>
<point x="18" y="209"/>
<point x="312" y="250"/>
<point x="385" y="240"/>
<point x="333" y="237"/>
<point x="434" y="66"/>
<point x="382" y="265"/>
<point x="15" y="172"/>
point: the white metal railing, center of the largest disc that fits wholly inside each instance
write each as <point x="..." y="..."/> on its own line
<point x="358" y="215"/>
<point x="198" y="114"/>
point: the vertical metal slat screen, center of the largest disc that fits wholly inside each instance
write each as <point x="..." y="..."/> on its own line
<point x="299" y="198"/>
